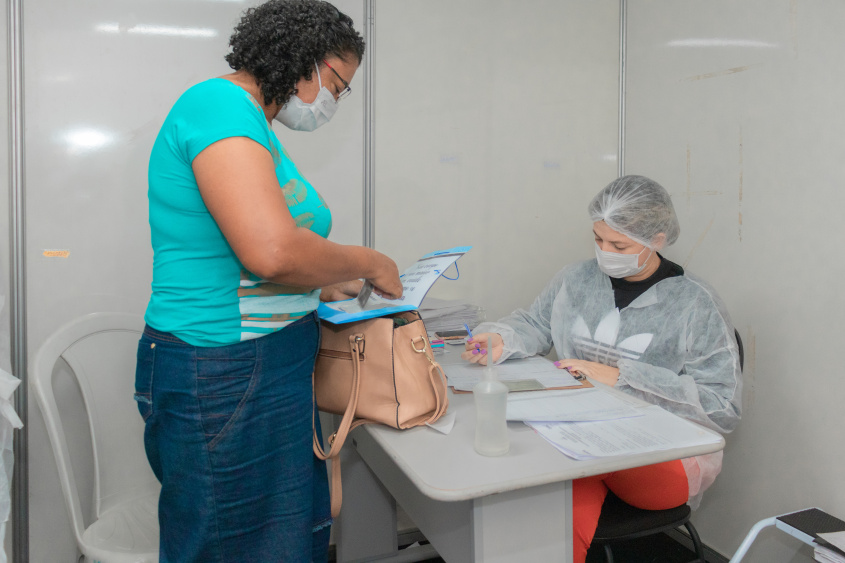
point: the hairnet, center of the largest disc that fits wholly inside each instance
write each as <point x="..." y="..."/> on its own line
<point x="639" y="208"/>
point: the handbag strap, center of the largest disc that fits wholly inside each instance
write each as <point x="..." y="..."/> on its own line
<point x="437" y="378"/>
<point x="337" y="439"/>
<point x="347" y="423"/>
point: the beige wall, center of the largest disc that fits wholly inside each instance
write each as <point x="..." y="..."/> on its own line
<point x="495" y="125"/>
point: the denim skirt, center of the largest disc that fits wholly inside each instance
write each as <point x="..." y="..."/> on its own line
<point x="228" y="434"/>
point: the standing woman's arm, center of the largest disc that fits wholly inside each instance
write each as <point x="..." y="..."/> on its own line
<point x="237" y="180"/>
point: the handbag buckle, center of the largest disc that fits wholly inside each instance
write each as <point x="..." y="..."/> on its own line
<point x="360" y="342"/>
<point x="423" y="350"/>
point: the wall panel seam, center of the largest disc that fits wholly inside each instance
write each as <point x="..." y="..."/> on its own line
<point x="369" y="139"/>
<point x="17" y="287"/>
<point x="623" y="45"/>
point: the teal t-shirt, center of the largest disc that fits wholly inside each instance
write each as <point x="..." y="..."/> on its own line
<point x="201" y="292"/>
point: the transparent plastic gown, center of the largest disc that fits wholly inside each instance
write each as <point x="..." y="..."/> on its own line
<point x="674" y="346"/>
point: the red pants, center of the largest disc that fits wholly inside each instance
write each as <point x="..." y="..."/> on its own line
<point x="653" y="487"/>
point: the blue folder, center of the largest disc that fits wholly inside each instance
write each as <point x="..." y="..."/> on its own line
<point x="336" y="316"/>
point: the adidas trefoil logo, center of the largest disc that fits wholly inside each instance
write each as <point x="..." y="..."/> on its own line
<point x="602" y="347"/>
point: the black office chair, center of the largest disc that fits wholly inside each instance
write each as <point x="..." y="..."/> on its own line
<point x="620" y="522"/>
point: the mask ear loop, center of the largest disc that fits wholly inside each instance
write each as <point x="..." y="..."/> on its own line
<point x="649" y="255"/>
<point x="319" y="80"/>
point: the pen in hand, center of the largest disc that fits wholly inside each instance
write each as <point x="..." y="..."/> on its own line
<point x="469" y="336"/>
<point x="576" y="374"/>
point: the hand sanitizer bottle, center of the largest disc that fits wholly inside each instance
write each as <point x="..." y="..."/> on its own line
<point x="491" y="426"/>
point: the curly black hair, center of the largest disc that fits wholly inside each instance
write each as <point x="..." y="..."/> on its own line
<point x="279" y="41"/>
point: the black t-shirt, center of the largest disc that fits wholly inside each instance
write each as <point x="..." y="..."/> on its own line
<point x="624" y="292"/>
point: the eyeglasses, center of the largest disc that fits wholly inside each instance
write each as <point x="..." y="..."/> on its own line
<point x="347" y="90"/>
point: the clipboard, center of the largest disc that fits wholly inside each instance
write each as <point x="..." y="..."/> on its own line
<point x="585" y="384"/>
<point x="522" y="376"/>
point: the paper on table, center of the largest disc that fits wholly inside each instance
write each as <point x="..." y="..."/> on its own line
<point x="442" y="314"/>
<point x="444" y="424"/>
<point x="834" y="538"/>
<point x="570" y="406"/>
<point x="464" y="376"/>
<point x="655" y="430"/>
<point x="826" y="555"/>
<point x="433" y="308"/>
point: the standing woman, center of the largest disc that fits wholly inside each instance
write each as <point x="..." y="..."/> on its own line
<point x="241" y="261"/>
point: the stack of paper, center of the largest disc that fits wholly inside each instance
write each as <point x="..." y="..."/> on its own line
<point x="655" y="430"/>
<point x="830" y="548"/>
<point x="827" y="556"/>
<point x="449" y="314"/>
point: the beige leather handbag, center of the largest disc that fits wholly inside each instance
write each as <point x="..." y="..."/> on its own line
<point x="378" y="370"/>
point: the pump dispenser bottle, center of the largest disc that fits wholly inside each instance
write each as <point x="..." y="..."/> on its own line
<point x="491" y="427"/>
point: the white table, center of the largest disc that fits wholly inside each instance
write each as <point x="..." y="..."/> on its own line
<point x="514" y="508"/>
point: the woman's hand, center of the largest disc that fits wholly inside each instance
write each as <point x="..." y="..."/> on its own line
<point x="385" y="282"/>
<point x="593" y="370"/>
<point x="341" y="291"/>
<point x="385" y="276"/>
<point x="478" y="348"/>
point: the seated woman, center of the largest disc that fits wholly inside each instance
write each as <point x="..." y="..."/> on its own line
<point x="632" y="319"/>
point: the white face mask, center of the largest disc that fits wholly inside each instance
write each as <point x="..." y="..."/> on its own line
<point x="299" y="116"/>
<point x="618" y="265"/>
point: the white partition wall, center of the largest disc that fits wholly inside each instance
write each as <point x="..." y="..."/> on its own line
<point x="736" y="107"/>
<point x="100" y="78"/>
<point x="496" y="122"/>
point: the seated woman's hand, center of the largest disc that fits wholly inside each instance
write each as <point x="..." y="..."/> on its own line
<point x="478" y="348"/>
<point x="594" y="370"/>
<point x="341" y="291"/>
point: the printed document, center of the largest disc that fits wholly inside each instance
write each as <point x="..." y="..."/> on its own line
<point x="568" y="405"/>
<point x="655" y="430"/>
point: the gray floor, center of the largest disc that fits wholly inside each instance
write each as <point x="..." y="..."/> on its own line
<point x="657" y="549"/>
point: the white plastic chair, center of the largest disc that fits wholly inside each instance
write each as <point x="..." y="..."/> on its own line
<point x="100" y="349"/>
